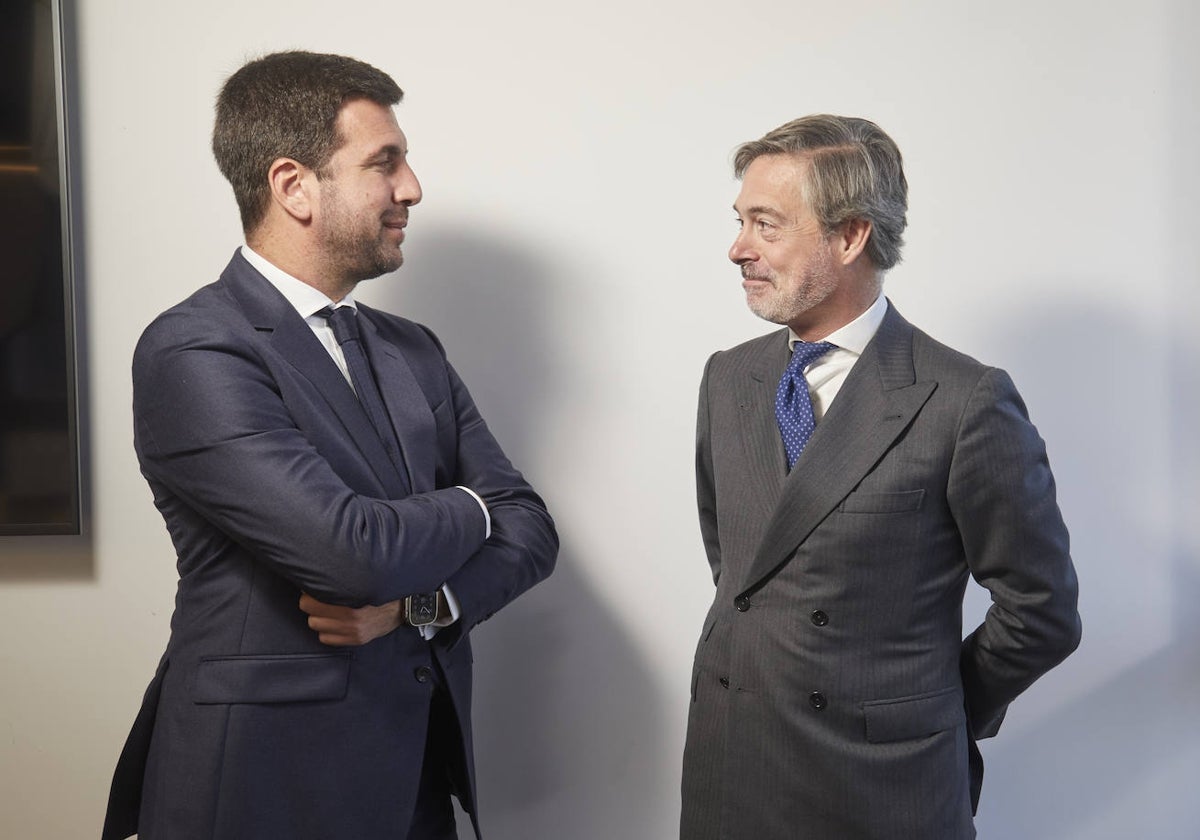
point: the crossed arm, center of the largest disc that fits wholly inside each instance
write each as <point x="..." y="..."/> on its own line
<point x="351" y="626"/>
<point x="213" y="427"/>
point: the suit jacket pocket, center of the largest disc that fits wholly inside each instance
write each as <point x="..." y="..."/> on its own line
<point x="904" y="718"/>
<point x="284" y="678"/>
<point x="906" y="501"/>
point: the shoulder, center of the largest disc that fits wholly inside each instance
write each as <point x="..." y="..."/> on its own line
<point x="962" y="377"/>
<point x="933" y="359"/>
<point x="208" y="316"/>
<point x="931" y="354"/>
<point x="749" y="356"/>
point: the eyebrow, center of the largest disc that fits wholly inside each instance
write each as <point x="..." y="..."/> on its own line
<point x="759" y="210"/>
<point x="391" y="150"/>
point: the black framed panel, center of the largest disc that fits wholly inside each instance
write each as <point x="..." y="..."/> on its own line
<point x="39" y="430"/>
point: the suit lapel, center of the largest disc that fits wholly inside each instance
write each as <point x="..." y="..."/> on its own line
<point x="405" y="401"/>
<point x="762" y="444"/>
<point x="268" y="311"/>
<point x="877" y="402"/>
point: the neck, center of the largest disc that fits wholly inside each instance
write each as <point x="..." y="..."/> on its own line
<point x="853" y="296"/>
<point x="300" y="261"/>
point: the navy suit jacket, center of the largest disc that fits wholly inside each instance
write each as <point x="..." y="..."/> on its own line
<point x="272" y="481"/>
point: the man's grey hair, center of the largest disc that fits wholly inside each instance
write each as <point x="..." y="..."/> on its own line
<point x="854" y="172"/>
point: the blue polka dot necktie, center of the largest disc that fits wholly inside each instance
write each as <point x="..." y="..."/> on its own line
<point x="793" y="406"/>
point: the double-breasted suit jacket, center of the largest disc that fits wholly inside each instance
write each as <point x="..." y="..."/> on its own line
<point x="833" y="693"/>
<point x="272" y="481"/>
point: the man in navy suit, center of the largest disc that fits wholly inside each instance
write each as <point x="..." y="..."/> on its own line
<point x="342" y="515"/>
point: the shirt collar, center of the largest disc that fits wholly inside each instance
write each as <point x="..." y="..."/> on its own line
<point x="856" y="335"/>
<point x="304" y="298"/>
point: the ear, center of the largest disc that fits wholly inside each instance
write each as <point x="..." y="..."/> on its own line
<point x="850" y="240"/>
<point x="292" y="188"/>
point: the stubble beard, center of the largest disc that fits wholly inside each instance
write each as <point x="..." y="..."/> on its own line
<point x="358" y="256"/>
<point x="784" y="303"/>
<point x="356" y="249"/>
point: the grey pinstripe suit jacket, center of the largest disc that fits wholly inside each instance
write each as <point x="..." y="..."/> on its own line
<point x="833" y="694"/>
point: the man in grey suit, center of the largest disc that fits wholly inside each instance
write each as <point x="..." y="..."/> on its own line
<point x="851" y="474"/>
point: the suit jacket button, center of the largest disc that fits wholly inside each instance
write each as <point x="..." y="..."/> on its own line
<point x="423" y="674"/>
<point x="817" y="700"/>
<point x="819" y="618"/>
<point x="742" y="603"/>
<point x="724" y="681"/>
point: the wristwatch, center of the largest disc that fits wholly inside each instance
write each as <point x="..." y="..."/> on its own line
<point x="423" y="609"/>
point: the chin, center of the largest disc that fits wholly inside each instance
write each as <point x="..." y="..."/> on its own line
<point x="389" y="263"/>
<point x="767" y="313"/>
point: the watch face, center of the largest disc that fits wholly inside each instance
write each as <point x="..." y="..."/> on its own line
<point x="422" y="609"/>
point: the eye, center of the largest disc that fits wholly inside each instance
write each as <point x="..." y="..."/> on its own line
<point x="763" y="225"/>
<point x="387" y="163"/>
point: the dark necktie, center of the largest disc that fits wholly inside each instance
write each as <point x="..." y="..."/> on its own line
<point x="344" y="322"/>
<point x="793" y="406"/>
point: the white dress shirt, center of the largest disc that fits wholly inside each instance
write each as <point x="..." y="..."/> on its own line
<point x="826" y="375"/>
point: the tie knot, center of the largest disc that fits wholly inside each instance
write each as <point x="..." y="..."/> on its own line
<point x="343" y="320"/>
<point x="804" y="353"/>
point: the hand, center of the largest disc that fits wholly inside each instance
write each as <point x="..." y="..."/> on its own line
<point x="342" y="626"/>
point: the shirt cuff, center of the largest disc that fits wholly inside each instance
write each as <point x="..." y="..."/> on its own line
<point x="487" y="517"/>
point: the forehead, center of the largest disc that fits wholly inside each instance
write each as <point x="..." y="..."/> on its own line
<point x="773" y="182"/>
<point x="365" y="127"/>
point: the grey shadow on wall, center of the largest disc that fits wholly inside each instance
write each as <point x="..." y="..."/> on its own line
<point x="1132" y="738"/>
<point x="1051" y="778"/>
<point x="564" y="704"/>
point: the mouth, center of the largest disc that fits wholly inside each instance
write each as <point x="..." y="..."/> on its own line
<point x="754" y="281"/>
<point x="398" y="225"/>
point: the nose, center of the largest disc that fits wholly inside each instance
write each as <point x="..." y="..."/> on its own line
<point x="408" y="188"/>
<point x="740" y="251"/>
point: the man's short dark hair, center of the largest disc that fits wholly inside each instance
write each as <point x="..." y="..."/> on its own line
<point x="854" y="172"/>
<point x="286" y="105"/>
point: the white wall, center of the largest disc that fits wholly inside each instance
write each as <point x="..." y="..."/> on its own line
<point x="571" y="253"/>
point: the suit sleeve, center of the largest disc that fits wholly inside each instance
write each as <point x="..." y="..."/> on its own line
<point x="523" y="545"/>
<point x="1002" y="495"/>
<point x="706" y="492"/>
<point x="212" y="428"/>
